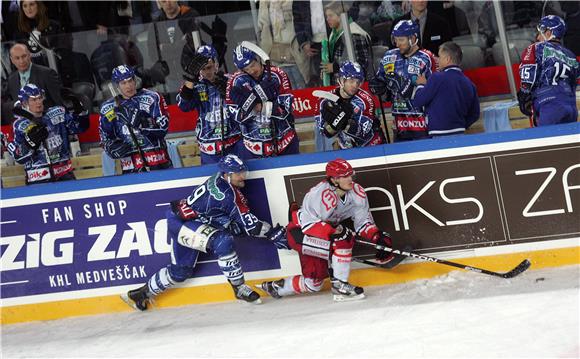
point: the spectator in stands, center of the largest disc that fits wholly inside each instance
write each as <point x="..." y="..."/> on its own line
<point x="41" y="138"/>
<point x="452" y="14"/>
<point x="449" y="97"/>
<point x="434" y="30"/>
<point x="133" y="125"/>
<point x="27" y="72"/>
<point x="310" y="29"/>
<point x="166" y="39"/>
<point x="36" y="30"/>
<point x="276" y="36"/>
<point x="337" y="49"/>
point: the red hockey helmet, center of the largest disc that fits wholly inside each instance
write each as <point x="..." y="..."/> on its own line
<point x="339" y="168"/>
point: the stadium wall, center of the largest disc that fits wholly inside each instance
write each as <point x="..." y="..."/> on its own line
<point x="487" y="200"/>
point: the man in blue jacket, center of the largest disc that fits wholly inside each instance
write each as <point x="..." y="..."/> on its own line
<point x="449" y="97"/>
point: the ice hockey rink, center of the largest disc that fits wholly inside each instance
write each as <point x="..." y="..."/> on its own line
<point x="461" y="314"/>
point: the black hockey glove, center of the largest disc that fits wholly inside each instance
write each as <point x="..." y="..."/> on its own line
<point x="383" y="239"/>
<point x="221" y="83"/>
<point x="244" y="98"/>
<point x="525" y="102"/>
<point x="398" y="84"/>
<point x="75" y="105"/>
<point x="277" y="235"/>
<point x="159" y="71"/>
<point x="192" y="64"/>
<point x="267" y="89"/>
<point x="35" y="134"/>
<point x="336" y="116"/>
<point x="377" y="86"/>
<point x="342" y="233"/>
<point x="118" y="149"/>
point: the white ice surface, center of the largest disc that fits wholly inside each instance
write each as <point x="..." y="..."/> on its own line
<point x="461" y="314"/>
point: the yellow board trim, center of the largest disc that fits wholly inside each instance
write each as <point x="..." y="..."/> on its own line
<point x="223" y="292"/>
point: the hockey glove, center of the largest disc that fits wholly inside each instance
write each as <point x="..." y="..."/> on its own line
<point x="399" y="84"/>
<point x="383" y="239"/>
<point x="341" y="233"/>
<point x="377" y="86"/>
<point x="336" y="116"/>
<point x="525" y="102"/>
<point x="35" y="134"/>
<point x="221" y="82"/>
<point x="277" y="235"/>
<point x="267" y="89"/>
<point x="159" y="71"/>
<point x="118" y="149"/>
<point x="244" y="98"/>
<point x="192" y="65"/>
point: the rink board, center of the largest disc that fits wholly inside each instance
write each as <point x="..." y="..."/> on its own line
<point x="490" y="200"/>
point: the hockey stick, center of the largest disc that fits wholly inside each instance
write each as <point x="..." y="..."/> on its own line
<point x="267" y="106"/>
<point x="520" y="268"/>
<point x="326" y="95"/>
<point x="388" y="137"/>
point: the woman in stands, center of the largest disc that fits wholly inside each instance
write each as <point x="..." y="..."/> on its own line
<point x="36" y="30"/>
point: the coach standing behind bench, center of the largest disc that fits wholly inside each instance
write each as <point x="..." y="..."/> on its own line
<point x="449" y="97"/>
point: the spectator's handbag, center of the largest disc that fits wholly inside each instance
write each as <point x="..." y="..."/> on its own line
<point x="282" y="53"/>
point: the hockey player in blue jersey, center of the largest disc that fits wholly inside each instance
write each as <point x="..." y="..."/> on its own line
<point x="204" y="90"/>
<point x="548" y="74"/>
<point x="207" y="221"/>
<point x="133" y="125"/>
<point x="351" y="118"/>
<point x="41" y="140"/>
<point x="251" y="91"/>
<point x="407" y="61"/>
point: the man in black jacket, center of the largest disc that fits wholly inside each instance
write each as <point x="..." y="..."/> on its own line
<point x="27" y="72"/>
<point x="434" y="29"/>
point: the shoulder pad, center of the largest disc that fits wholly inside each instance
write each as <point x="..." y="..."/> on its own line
<point x="359" y="192"/>
<point x="107" y="106"/>
<point x="55" y="111"/>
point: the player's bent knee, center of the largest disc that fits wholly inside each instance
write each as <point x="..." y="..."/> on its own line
<point x="180" y="274"/>
<point x="222" y="244"/>
<point x="313" y="285"/>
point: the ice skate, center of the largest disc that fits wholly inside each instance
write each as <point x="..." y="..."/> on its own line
<point x="246" y="293"/>
<point x="344" y="291"/>
<point x="137" y="298"/>
<point x="272" y="287"/>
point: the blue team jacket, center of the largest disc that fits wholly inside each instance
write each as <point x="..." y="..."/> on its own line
<point x="450" y="101"/>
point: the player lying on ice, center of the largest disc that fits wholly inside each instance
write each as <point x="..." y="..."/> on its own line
<point x="324" y="245"/>
<point x="207" y="221"/>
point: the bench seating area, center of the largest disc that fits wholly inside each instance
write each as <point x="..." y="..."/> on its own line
<point x="90" y="165"/>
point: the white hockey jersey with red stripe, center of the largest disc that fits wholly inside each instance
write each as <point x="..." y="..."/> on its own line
<point x="322" y="210"/>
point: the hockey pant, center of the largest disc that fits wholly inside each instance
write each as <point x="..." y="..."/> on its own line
<point x="554" y="112"/>
<point x="188" y="239"/>
<point x="316" y="255"/>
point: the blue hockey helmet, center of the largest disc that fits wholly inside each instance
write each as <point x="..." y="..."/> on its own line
<point x="406" y="28"/>
<point x="349" y="69"/>
<point x="208" y="51"/>
<point x="122" y="73"/>
<point x="28" y="91"/>
<point x="231" y="164"/>
<point x="554" y="23"/>
<point x="243" y="57"/>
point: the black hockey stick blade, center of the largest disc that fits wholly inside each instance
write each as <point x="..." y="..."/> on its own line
<point x="519" y="269"/>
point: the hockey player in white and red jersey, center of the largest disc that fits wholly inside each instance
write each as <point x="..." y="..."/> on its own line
<point x="324" y="244"/>
<point x="352" y="117"/>
<point x="261" y="97"/>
